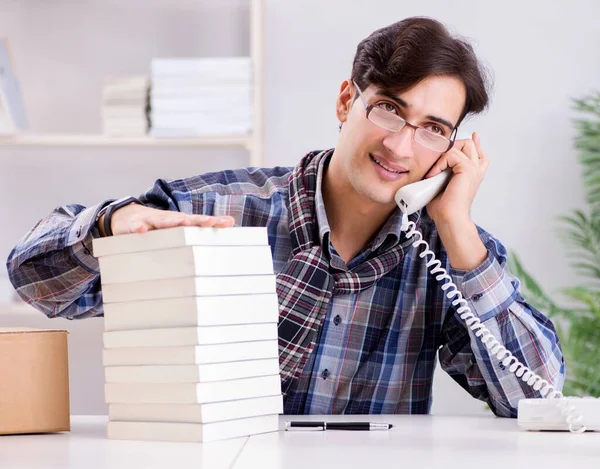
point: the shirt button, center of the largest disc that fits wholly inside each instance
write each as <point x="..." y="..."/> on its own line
<point x="325" y="373"/>
<point x="337" y="320"/>
<point x="86" y="251"/>
<point x="78" y="233"/>
<point x="477" y="296"/>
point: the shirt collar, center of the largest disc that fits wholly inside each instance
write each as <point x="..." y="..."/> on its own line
<point x="322" y="222"/>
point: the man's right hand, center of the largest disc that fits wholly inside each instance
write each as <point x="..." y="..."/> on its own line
<point x="135" y="218"/>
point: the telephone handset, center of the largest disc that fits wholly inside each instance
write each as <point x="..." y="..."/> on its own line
<point x="554" y="411"/>
<point x="415" y="196"/>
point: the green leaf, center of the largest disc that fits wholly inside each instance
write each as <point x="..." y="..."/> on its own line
<point x="589" y="298"/>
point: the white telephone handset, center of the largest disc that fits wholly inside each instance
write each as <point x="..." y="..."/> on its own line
<point x="415" y="196"/>
<point x="533" y="414"/>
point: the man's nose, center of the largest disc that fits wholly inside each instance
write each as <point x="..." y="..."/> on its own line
<point x="401" y="143"/>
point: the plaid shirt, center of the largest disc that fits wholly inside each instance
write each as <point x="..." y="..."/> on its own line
<point x="377" y="349"/>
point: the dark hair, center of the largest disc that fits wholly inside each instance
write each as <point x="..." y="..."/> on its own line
<point x="399" y="56"/>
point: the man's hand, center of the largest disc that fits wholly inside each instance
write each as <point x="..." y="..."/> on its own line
<point x="469" y="164"/>
<point x="135" y="218"/>
<point x="451" y="210"/>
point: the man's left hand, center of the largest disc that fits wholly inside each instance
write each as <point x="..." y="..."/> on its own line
<point x="469" y="164"/>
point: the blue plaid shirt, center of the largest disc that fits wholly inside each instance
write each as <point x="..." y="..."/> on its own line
<point x="377" y="349"/>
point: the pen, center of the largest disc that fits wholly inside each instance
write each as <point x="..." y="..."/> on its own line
<point x="322" y="426"/>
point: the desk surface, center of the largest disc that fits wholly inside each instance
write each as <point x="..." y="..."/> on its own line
<point x="414" y="442"/>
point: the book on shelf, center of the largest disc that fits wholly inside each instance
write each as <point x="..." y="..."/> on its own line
<point x="125" y="106"/>
<point x="210" y="121"/>
<point x="201" y="97"/>
<point x="212" y="98"/>
<point x="199" y="132"/>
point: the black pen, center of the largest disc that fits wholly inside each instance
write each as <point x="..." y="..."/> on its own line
<point x="322" y="426"/>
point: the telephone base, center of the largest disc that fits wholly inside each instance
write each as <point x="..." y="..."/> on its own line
<point x="543" y="414"/>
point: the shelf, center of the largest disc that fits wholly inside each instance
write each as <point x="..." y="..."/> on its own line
<point x="69" y="140"/>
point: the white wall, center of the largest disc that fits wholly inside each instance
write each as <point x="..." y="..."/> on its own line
<point x="541" y="54"/>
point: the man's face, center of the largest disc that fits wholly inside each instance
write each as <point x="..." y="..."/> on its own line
<point x="377" y="162"/>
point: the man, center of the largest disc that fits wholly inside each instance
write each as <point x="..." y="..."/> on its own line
<point x="361" y="318"/>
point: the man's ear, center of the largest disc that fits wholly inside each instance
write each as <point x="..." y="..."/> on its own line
<point x="344" y="100"/>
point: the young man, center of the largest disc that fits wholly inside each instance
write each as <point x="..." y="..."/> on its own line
<point x="361" y="317"/>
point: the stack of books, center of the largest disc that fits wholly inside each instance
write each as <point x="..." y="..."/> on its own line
<point x="125" y="105"/>
<point x="190" y="341"/>
<point x="201" y="97"/>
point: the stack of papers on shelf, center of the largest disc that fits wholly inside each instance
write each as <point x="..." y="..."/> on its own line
<point x="190" y="341"/>
<point x="201" y="97"/>
<point x="125" y="106"/>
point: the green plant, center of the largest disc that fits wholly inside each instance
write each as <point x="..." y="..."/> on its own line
<point x="578" y="321"/>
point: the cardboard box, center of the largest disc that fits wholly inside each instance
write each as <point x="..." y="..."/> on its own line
<point x="34" y="381"/>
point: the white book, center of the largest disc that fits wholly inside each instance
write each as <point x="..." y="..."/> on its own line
<point x="190" y="354"/>
<point x="179" y="237"/>
<point x="186" y="262"/>
<point x="188" y="80"/>
<point x="118" y="116"/>
<point x="188" y="286"/>
<point x="214" y="105"/>
<point x="192" y="432"/>
<point x="192" y="132"/>
<point x="207" y="120"/>
<point x="125" y="124"/>
<point x="207" y="106"/>
<point x="127" y="100"/>
<point x="191" y="373"/>
<point x="125" y="133"/>
<point x="191" y="393"/>
<point x="179" y="336"/>
<point x="214" y="102"/>
<point x="130" y="129"/>
<point x="198" y="91"/>
<point x="196" y="413"/>
<point x="195" y="87"/>
<point x="191" y="312"/>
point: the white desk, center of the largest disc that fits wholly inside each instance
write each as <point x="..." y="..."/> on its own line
<point x="419" y="442"/>
<point x="422" y="442"/>
<point x="86" y="447"/>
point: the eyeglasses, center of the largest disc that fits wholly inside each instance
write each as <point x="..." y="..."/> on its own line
<point x="394" y="123"/>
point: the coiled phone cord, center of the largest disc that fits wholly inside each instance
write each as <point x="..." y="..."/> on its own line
<point x="567" y="409"/>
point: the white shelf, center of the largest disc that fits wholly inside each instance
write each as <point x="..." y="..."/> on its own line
<point x="252" y="142"/>
<point x="68" y="140"/>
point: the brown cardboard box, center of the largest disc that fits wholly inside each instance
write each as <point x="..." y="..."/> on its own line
<point x="34" y="381"/>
